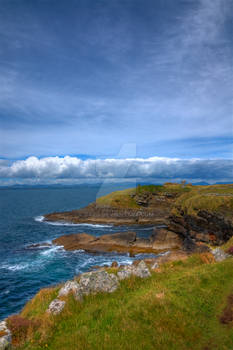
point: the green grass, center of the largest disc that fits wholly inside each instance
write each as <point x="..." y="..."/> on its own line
<point x="216" y="198"/>
<point x="124" y="199"/>
<point x="175" y="309"/>
<point x="172" y="188"/>
<point x="119" y="199"/>
<point x="190" y="199"/>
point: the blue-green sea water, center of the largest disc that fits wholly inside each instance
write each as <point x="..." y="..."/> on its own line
<point x="25" y="270"/>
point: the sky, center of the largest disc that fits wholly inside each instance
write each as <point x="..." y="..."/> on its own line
<point x="116" y="90"/>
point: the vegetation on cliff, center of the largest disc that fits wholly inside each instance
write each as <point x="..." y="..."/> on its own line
<point x="215" y="198"/>
<point x="179" y="307"/>
<point x="132" y="197"/>
<point x="183" y="197"/>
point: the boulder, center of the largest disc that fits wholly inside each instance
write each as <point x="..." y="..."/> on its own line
<point x="126" y="272"/>
<point x="219" y="254"/>
<point x="56" y="306"/>
<point x="141" y="270"/>
<point x="5" y="339"/>
<point x="69" y="286"/>
<point x="96" y="281"/>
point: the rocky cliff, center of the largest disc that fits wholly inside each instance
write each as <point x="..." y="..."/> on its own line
<point x="193" y="215"/>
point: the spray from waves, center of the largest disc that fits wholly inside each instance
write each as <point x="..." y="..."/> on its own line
<point x="14" y="267"/>
<point x="52" y="250"/>
<point x="41" y="218"/>
<point x="39" y="261"/>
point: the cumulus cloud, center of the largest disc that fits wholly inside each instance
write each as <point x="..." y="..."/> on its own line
<point x="74" y="168"/>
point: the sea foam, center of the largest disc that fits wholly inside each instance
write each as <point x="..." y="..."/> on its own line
<point x="66" y="223"/>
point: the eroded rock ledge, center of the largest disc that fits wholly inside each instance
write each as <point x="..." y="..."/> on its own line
<point x="95" y="214"/>
<point x="160" y="240"/>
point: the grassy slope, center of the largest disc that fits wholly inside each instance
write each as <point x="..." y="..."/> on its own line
<point x="215" y="198"/>
<point x="138" y="316"/>
<point x="119" y="199"/>
<point x="123" y="199"/>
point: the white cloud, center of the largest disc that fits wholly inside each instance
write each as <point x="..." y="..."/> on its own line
<point x="72" y="168"/>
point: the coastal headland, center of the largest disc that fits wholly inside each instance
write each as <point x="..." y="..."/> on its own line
<point x="192" y="218"/>
<point x="161" y="302"/>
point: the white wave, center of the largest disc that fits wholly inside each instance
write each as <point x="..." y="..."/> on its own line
<point x="146" y="228"/>
<point x="39" y="218"/>
<point x="125" y="262"/>
<point x="52" y="250"/>
<point x="66" y="223"/>
<point x="6" y="292"/>
<point x="15" y="267"/>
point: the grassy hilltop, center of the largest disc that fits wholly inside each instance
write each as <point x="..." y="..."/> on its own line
<point x="188" y="198"/>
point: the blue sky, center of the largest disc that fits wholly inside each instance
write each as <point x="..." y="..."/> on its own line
<point x="87" y="78"/>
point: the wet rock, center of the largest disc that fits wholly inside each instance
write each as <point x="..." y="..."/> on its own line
<point x="56" y="306"/>
<point x="5" y="339"/>
<point x="95" y="282"/>
<point x="219" y="254"/>
<point x="69" y="286"/>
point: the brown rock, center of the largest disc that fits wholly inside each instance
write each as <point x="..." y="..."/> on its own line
<point x="119" y="242"/>
<point x="163" y="239"/>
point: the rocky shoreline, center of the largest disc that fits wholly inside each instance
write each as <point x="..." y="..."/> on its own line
<point x="161" y="240"/>
<point x="94" y="214"/>
<point x="167" y="205"/>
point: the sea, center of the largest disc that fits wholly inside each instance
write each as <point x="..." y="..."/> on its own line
<point x="24" y="270"/>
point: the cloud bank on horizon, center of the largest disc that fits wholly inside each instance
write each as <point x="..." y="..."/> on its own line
<point x="66" y="170"/>
<point x="85" y="77"/>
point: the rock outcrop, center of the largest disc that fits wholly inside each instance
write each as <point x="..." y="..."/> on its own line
<point x="56" y="306"/>
<point x="5" y="336"/>
<point x="95" y="282"/>
<point x="219" y="254"/>
<point x="69" y="286"/>
<point x="161" y="240"/>
<point x="196" y="231"/>
<point x="117" y="216"/>
<point x="141" y="270"/>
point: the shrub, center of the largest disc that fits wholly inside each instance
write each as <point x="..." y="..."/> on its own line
<point x="20" y="328"/>
<point x="230" y="250"/>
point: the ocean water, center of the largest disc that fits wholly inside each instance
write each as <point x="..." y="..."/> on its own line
<point x="23" y="270"/>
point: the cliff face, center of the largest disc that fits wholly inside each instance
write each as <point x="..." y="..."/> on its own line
<point x="205" y="227"/>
